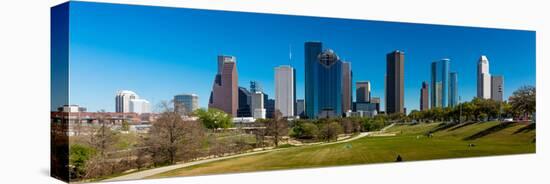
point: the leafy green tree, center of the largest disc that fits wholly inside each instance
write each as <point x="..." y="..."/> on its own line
<point x="78" y="157"/>
<point x="214" y="118"/>
<point x="523" y="100"/>
<point x="305" y="130"/>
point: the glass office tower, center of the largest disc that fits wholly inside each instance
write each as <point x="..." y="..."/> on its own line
<point x="440" y="83"/>
<point x="453" y="89"/>
<point x="311" y="51"/>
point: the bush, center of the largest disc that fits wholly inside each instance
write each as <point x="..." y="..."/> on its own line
<point x="305" y="130"/>
<point x="78" y="158"/>
<point x="330" y="131"/>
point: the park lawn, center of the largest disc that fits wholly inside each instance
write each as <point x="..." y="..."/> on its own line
<point x="411" y="143"/>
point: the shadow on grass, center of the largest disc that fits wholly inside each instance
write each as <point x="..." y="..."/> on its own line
<point x="490" y="130"/>
<point x="526" y="129"/>
<point x="462" y="125"/>
<point x="440" y="127"/>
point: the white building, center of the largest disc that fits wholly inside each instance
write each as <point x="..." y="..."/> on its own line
<point x="140" y="106"/>
<point x="128" y="101"/>
<point x="483" y="78"/>
<point x="284" y="90"/>
<point x="257" y="105"/>
<point x="122" y="100"/>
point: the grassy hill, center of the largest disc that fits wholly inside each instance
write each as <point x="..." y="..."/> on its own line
<point x="411" y="142"/>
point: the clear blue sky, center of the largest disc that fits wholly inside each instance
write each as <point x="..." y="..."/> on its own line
<point x="159" y="52"/>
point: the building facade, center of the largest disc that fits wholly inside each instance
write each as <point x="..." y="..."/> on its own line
<point x="497" y="88"/>
<point x="186" y="103"/>
<point x="122" y="100"/>
<point x="440" y="83"/>
<point x="244" y="103"/>
<point x="347" y="81"/>
<point x="311" y="82"/>
<point x="424" y="99"/>
<point x="453" y="89"/>
<point x="362" y="91"/>
<point x="300" y="108"/>
<point x="140" y="106"/>
<point x="224" y="95"/>
<point x="483" y="78"/>
<point x="328" y="94"/>
<point x="284" y="90"/>
<point x="395" y="68"/>
<point x="257" y="105"/>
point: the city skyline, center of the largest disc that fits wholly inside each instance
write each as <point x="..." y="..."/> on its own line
<point x="159" y="63"/>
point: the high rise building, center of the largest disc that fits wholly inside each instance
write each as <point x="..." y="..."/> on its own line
<point x="224" y="95"/>
<point x="328" y="94"/>
<point x="255" y="86"/>
<point x="453" y="89"/>
<point x="311" y="81"/>
<point x="347" y="94"/>
<point x="497" y="88"/>
<point x="140" y="106"/>
<point x="122" y="100"/>
<point x="284" y="90"/>
<point x="362" y="91"/>
<point x="186" y="103"/>
<point x="483" y="78"/>
<point x="395" y="68"/>
<point x="300" y="108"/>
<point x="244" y="103"/>
<point x="323" y="81"/>
<point x="257" y="105"/>
<point x="424" y="92"/>
<point x="440" y="83"/>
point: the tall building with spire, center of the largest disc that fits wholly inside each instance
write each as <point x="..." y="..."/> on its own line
<point x="395" y="69"/>
<point x="483" y="78"/>
<point x="224" y="95"/>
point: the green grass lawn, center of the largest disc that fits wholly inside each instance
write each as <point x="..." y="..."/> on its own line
<point x="411" y="142"/>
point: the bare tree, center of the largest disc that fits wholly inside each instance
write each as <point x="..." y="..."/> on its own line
<point x="276" y="127"/>
<point x="172" y="138"/>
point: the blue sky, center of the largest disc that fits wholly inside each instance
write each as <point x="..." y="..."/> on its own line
<point x="159" y="52"/>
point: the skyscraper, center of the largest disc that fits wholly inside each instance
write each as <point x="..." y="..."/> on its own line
<point x="257" y="105"/>
<point x="395" y="62"/>
<point x="453" y="89"/>
<point x="440" y="83"/>
<point x="224" y="95"/>
<point x="483" y="78"/>
<point x="497" y="88"/>
<point x="284" y="90"/>
<point x="244" y="103"/>
<point x="328" y="92"/>
<point x="424" y="92"/>
<point x="186" y="103"/>
<point x="347" y="96"/>
<point x="122" y="100"/>
<point x="311" y="82"/>
<point x="362" y="91"/>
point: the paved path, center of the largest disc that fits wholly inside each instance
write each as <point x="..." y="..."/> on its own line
<point x="155" y="171"/>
